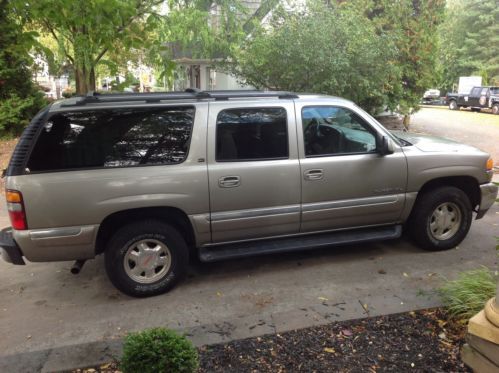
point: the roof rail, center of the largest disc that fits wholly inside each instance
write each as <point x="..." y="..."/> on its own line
<point x="189" y="94"/>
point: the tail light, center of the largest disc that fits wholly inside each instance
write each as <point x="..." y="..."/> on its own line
<point x="15" y="206"/>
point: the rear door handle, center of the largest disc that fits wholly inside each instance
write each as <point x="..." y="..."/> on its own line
<point x="229" y="181"/>
<point x="315" y="174"/>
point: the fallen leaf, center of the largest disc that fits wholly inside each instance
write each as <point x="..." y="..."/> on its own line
<point x="219" y="294"/>
<point x="330" y="350"/>
<point x="346" y="332"/>
<point x="322" y="299"/>
<point x="382" y="272"/>
<point x="405" y="274"/>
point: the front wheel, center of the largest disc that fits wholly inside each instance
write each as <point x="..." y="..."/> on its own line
<point x="146" y="258"/>
<point x="441" y="219"/>
<point x="453" y="105"/>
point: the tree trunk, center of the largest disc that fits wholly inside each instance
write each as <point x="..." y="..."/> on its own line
<point x="85" y="80"/>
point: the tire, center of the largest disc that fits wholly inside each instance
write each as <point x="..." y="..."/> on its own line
<point x="432" y="215"/>
<point x="495" y="109"/>
<point x="162" y="251"/>
<point x="453" y="105"/>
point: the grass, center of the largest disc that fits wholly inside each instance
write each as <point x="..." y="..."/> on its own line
<point x="466" y="295"/>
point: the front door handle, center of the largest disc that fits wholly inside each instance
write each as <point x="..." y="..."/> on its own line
<point x="229" y="181"/>
<point x="315" y="174"/>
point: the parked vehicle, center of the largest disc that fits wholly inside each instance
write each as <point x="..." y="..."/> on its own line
<point x="431" y="96"/>
<point x="151" y="179"/>
<point x="479" y="98"/>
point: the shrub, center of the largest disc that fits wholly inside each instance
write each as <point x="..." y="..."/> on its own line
<point x="16" y="112"/>
<point x="467" y="295"/>
<point x="158" y="350"/>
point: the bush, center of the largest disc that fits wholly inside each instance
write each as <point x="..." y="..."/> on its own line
<point x="467" y="295"/>
<point x="16" y="112"/>
<point x="158" y="350"/>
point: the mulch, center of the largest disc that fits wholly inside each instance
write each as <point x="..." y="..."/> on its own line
<point x="422" y="341"/>
<point x="416" y="341"/>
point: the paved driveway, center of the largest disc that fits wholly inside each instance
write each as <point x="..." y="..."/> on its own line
<point x="43" y="306"/>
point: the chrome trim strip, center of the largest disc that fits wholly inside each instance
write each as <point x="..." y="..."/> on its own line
<point x="253" y="213"/>
<point x="54" y="232"/>
<point x="350" y="203"/>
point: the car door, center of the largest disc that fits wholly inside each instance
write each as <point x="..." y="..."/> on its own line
<point x="346" y="183"/>
<point x="474" y="97"/>
<point x="253" y="170"/>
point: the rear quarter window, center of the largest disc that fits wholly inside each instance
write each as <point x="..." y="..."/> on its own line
<point x="113" y="138"/>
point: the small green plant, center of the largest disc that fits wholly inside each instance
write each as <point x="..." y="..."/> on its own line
<point x="158" y="350"/>
<point x="466" y="295"/>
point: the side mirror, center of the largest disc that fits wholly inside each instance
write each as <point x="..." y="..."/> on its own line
<point x="384" y="145"/>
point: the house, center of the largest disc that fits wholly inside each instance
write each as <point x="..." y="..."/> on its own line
<point x="200" y="73"/>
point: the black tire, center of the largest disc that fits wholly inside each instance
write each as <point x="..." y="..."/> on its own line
<point x="453" y="105"/>
<point x="495" y="109"/>
<point x="141" y="231"/>
<point x="421" y="218"/>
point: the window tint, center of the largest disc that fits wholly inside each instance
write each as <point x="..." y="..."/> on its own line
<point x="329" y="130"/>
<point x="113" y="138"/>
<point x="251" y="134"/>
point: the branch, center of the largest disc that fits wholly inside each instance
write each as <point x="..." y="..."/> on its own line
<point x="99" y="56"/>
<point x="49" y="27"/>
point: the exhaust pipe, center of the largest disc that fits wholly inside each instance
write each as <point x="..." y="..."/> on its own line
<point x="76" y="268"/>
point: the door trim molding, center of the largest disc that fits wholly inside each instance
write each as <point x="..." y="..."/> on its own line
<point x="368" y="201"/>
<point x="253" y="213"/>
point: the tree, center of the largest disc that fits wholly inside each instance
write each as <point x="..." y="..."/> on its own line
<point x="413" y="26"/>
<point x="88" y="30"/>
<point x="469" y="42"/>
<point x="376" y="52"/>
<point x="331" y="49"/>
<point x="19" y="99"/>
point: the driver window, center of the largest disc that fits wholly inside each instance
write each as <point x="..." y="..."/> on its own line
<point x="330" y="130"/>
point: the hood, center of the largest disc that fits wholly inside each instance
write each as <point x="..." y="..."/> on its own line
<point x="427" y="143"/>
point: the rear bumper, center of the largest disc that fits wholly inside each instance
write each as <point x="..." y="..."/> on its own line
<point x="488" y="197"/>
<point x="9" y="250"/>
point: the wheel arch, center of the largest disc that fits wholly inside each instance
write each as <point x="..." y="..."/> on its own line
<point x="171" y="215"/>
<point x="468" y="184"/>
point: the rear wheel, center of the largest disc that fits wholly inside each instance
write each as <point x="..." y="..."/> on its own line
<point x="453" y="105"/>
<point x="441" y="219"/>
<point x="146" y="258"/>
<point x="495" y="109"/>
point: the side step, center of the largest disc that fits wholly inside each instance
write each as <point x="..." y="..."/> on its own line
<point x="297" y="243"/>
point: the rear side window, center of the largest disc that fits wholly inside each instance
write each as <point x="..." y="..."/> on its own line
<point x="113" y="138"/>
<point x="251" y="134"/>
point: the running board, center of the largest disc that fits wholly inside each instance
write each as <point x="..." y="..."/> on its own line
<point x="297" y="243"/>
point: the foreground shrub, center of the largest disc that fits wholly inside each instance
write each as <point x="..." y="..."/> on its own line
<point x="158" y="350"/>
<point x="467" y="295"/>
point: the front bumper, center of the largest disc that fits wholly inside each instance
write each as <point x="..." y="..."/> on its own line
<point x="9" y="251"/>
<point x="488" y="197"/>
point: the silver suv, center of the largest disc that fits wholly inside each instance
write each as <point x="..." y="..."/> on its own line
<point x="151" y="179"/>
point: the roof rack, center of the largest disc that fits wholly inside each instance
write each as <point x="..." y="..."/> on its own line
<point x="188" y="94"/>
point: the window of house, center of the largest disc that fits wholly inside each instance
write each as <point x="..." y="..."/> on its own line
<point x="113" y="138"/>
<point x="251" y="134"/>
<point x="329" y="130"/>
